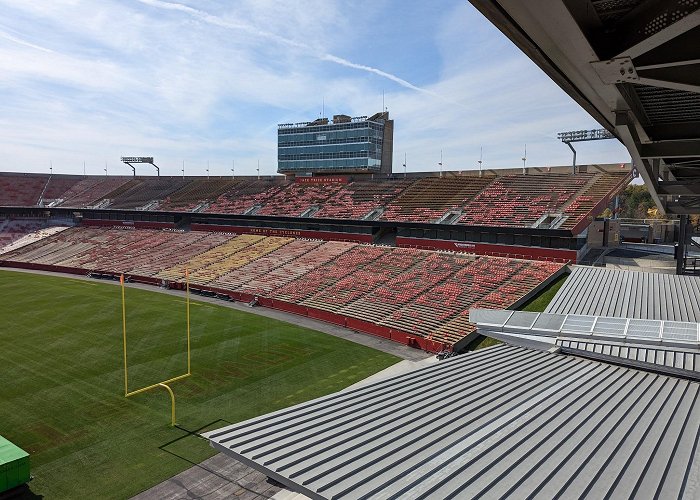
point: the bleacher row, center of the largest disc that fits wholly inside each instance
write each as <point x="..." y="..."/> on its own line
<point x="423" y="293"/>
<point x="510" y="200"/>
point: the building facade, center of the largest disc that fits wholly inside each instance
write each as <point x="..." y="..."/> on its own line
<point x="344" y="145"/>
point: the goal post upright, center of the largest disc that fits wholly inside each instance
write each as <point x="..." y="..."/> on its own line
<point x="164" y="383"/>
<point x="187" y="286"/>
<point x="126" y="367"/>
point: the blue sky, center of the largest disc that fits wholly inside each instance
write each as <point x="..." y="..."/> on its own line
<point x="209" y="81"/>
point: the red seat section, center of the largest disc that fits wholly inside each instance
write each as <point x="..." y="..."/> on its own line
<point x="197" y="195"/>
<point x="520" y="200"/>
<point x="146" y="192"/>
<point x="508" y="200"/>
<point x="91" y="191"/>
<point x="245" y="194"/>
<point x="601" y="189"/>
<point x="295" y="199"/>
<point x="358" y="199"/>
<point x="57" y="187"/>
<point x="419" y="293"/>
<point x="428" y="199"/>
<point x="21" y="190"/>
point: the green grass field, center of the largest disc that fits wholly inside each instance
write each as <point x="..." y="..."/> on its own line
<point x="540" y="302"/>
<point x="61" y="366"/>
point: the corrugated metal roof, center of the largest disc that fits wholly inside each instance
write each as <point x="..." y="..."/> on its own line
<point x="599" y="291"/>
<point x="678" y="362"/>
<point x="504" y="421"/>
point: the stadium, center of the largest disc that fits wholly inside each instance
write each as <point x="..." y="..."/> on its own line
<point x="343" y="330"/>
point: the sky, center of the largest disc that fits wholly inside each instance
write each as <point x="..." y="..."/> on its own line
<point x="205" y="83"/>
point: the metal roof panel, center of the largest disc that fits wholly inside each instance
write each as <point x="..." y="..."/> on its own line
<point x="500" y="421"/>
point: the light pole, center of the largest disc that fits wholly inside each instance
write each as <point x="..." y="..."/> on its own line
<point x="105" y="167"/>
<point x="404" y="164"/>
<point x="440" y="163"/>
<point x="524" y="158"/>
<point x="183" y="169"/>
<point x="50" y="167"/>
<point x="258" y="169"/>
<point x="481" y="157"/>
<point x="207" y="169"/>
<point x="233" y="169"/>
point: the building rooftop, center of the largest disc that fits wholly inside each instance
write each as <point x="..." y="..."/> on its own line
<point x="599" y="291"/>
<point x="503" y="421"/>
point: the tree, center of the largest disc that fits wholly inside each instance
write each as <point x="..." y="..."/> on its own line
<point x="607" y="213"/>
<point x="635" y="202"/>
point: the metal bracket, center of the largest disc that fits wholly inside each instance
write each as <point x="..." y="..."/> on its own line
<point x="618" y="70"/>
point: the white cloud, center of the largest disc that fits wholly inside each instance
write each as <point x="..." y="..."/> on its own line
<point x="88" y="81"/>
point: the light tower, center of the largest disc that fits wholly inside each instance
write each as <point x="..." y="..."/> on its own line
<point x="581" y="136"/>
<point x="140" y="159"/>
<point x="524" y="158"/>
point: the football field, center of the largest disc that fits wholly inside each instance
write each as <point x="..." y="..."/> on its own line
<point x="62" y="379"/>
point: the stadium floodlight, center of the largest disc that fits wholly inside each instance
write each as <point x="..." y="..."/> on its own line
<point x="164" y="383"/>
<point x="596" y="134"/>
<point x="139" y="159"/>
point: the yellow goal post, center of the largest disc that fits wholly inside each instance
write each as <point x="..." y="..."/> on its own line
<point x="164" y="383"/>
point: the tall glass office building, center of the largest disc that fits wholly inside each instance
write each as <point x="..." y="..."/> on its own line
<point x="345" y="145"/>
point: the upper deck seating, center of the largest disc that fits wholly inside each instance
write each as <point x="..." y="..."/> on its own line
<point x="196" y="193"/>
<point x="428" y="199"/>
<point x="296" y="199"/>
<point x="91" y="190"/>
<point x="146" y="191"/>
<point x="520" y="200"/>
<point x="244" y="195"/>
<point x="357" y="199"/>
<point x="21" y="190"/>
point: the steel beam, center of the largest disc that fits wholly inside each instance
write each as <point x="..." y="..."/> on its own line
<point x="689" y="148"/>
<point x="624" y="126"/>
<point x="679" y="188"/>
<point x="632" y="35"/>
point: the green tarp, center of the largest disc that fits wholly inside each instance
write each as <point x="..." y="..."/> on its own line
<point x="14" y="465"/>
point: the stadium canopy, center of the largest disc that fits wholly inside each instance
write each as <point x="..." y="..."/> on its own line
<point x="634" y="65"/>
<point x="499" y="422"/>
<point x="669" y="347"/>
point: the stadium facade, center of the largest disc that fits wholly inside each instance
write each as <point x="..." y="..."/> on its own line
<point x="345" y="145"/>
